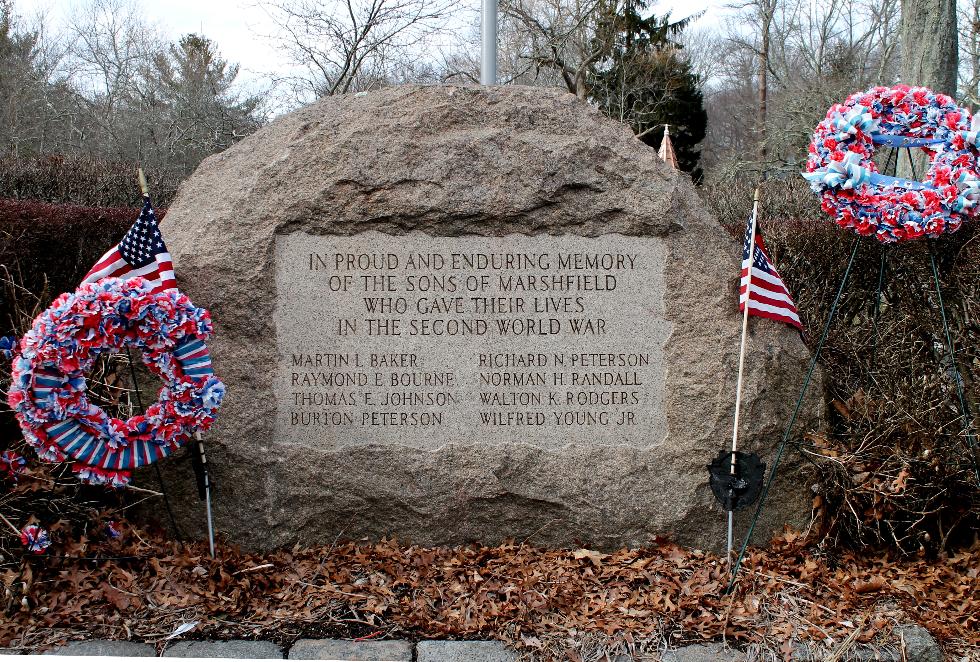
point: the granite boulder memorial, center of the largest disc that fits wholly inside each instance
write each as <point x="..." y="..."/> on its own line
<point x="471" y="314"/>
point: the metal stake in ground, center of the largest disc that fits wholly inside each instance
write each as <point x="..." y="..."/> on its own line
<point x="957" y="378"/>
<point x="205" y="488"/>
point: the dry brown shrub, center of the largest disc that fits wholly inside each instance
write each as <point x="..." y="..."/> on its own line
<point x="81" y="180"/>
<point x="895" y="464"/>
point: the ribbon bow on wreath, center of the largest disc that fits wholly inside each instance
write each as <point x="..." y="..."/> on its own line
<point x="842" y="172"/>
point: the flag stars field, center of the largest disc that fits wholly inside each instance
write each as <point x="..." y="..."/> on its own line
<point x="140" y="253"/>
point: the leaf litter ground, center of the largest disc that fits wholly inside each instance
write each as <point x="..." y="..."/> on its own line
<point x="550" y="604"/>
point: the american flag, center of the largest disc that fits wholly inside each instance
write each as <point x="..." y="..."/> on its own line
<point x="769" y="297"/>
<point x="140" y="253"/>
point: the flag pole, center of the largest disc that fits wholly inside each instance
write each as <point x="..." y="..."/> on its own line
<point x="207" y="489"/>
<point x="142" y="177"/>
<point x="488" y="53"/>
<point x="741" y="358"/>
<point x="197" y="435"/>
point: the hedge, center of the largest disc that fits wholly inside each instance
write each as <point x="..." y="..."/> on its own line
<point x="80" y="180"/>
<point x="46" y="249"/>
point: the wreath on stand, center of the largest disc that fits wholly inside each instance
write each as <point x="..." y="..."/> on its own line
<point x="48" y="390"/>
<point x="842" y="172"/>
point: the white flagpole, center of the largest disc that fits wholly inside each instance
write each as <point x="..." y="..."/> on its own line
<point x="741" y="356"/>
<point x="197" y="435"/>
<point x="207" y="490"/>
<point x="142" y="178"/>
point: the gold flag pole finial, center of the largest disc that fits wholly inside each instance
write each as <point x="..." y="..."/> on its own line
<point x="142" y="178"/>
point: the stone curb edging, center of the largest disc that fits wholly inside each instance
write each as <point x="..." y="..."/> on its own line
<point x="919" y="645"/>
<point x="304" y="649"/>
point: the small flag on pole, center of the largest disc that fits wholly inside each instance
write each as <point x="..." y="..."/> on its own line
<point x="140" y="253"/>
<point x="769" y="296"/>
<point x="666" y="152"/>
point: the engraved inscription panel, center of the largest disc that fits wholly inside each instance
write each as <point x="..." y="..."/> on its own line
<point x="426" y="341"/>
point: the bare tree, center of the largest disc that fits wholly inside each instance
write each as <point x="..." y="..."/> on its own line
<point x="929" y="44"/>
<point x="117" y="92"/>
<point x="760" y="15"/>
<point x="815" y="55"/>
<point x="704" y="50"/>
<point x="32" y="117"/>
<point x="112" y="46"/>
<point x="766" y="10"/>
<point x="969" y="44"/>
<point x="349" y="45"/>
<point x="853" y="38"/>
<point x="561" y="36"/>
<point x="730" y="145"/>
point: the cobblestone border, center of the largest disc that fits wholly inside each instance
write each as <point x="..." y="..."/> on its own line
<point x="919" y="646"/>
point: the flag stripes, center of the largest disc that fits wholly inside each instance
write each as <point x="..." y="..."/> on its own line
<point x="84" y="448"/>
<point x="160" y="272"/>
<point x="195" y="359"/>
<point x="765" y="292"/>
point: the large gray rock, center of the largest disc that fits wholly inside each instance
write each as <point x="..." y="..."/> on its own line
<point x="506" y="169"/>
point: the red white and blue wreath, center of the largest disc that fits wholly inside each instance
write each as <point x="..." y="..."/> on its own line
<point x="841" y="171"/>
<point x="48" y="391"/>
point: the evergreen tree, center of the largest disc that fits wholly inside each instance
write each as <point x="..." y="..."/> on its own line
<point x="644" y="82"/>
<point x="193" y="89"/>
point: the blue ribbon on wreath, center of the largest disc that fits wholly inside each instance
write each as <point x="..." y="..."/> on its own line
<point x="904" y="141"/>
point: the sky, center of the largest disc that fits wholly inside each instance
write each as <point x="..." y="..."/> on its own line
<point x="237" y="25"/>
